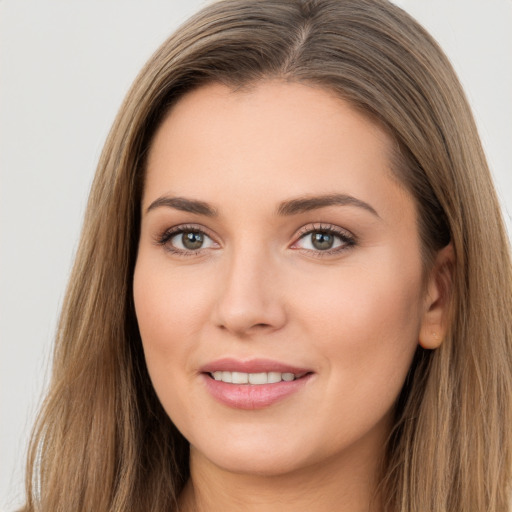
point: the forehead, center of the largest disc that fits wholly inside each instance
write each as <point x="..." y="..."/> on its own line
<point x="271" y="140"/>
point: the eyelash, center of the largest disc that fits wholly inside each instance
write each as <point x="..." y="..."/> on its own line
<point x="347" y="239"/>
<point x="164" y="239"/>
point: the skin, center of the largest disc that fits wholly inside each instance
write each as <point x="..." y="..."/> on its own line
<point x="259" y="288"/>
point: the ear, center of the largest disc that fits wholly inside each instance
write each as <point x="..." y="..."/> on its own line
<point x="435" y="321"/>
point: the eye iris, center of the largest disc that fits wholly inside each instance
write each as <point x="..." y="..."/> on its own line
<point x="322" y="240"/>
<point x="192" y="240"/>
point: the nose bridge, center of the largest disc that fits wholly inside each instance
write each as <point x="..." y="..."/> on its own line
<point x="248" y="297"/>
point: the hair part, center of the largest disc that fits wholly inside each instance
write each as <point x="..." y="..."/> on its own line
<point x="104" y="442"/>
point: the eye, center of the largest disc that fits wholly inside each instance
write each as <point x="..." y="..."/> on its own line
<point x="191" y="240"/>
<point x="324" y="239"/>
<point x="183" y="240"/>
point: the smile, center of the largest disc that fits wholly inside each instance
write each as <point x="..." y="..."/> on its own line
<point x="254" y="378"/>
<point x="253" y="384"/>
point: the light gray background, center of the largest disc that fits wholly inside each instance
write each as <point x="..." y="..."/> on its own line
<point x="64" y="69"/>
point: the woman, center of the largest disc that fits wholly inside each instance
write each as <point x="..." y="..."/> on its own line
<point x="284" y="296"/>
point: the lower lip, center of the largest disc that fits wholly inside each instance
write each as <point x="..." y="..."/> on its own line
<point x="252" y="396"/>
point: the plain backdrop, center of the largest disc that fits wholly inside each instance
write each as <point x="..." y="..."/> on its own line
<point x="64" y="69"/>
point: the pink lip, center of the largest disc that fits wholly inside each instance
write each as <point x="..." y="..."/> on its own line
<point x="249" y="396"/>
<point x="251" y="366"/>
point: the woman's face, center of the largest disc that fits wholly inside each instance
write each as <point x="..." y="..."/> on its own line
<point x="276" y="244"/>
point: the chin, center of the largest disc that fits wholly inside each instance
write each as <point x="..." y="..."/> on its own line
<point x="260" y="457"/>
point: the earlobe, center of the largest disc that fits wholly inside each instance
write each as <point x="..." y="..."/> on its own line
<point x="436" y="317"/>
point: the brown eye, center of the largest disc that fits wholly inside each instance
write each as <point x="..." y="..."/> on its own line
<point x="192" y="240"/>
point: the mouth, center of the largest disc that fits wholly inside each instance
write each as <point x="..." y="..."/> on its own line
<point x="256" y="379"/>
<point x="254" y="384"/>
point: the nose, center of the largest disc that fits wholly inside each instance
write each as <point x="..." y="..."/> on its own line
<point x="250" y="299"/>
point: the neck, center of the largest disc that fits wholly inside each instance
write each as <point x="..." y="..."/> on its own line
<point x="346" y="485"/>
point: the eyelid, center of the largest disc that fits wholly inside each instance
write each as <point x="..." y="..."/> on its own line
<point x="322" y="226"/>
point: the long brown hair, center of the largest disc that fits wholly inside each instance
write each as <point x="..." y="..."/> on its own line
<point x="104" y="443"/>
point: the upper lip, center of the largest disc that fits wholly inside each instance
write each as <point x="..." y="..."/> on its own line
<point x="229" y="364"/>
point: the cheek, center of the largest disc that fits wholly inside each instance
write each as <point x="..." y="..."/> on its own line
<point x="167" y="303"/>
<point x="169" y="314"/>
<point x="366" y="327"/>
<point x="363" y="300"/>
<point x="366" y="335"/>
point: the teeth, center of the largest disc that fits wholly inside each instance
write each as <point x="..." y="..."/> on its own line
<point x="273" y="377"/>
<point x="240" y="378"/>
<point x="254" y="378"/>
<point x="258" y="378"/>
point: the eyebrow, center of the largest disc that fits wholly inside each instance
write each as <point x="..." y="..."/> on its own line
<point x="308" y="203"/>
<point x="184" y="204"/>
<point x="286" y="208"/>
